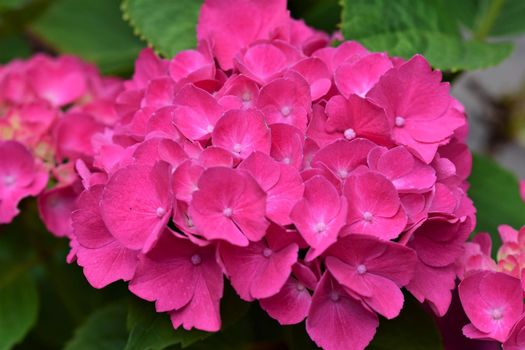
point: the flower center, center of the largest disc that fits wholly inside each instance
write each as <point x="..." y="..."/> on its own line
<point x="246" y="96"/>
<point x="334" y="296"/>
<point x="320" y="227"/>
<point x="267" y="252"/>
<point x="343" y="173"/>
<point x="349" y="134"/>
<point x="497" y="314"/>
<point x="285" y="111"/>
<point x="367" y="216"/>
<point x="160" y="212"/>
<point x="227" y="212"/>
<point x="287" y="160"/>
<point x="196" y="259"/>
<point x="300" y="287"/>
<point x="237" y="148"/>
<point x="209" y="128"/>
<point x="9" y="180"/>
<point x="400" y="121"/>
<point x="361" y="269"/>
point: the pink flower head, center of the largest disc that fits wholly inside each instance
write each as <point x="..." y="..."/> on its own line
<point x="229" y="205"/>
<point x="372" y="269"/>
<point x="52" y="107"/>
<point x="320" y="180"/>
<point x="522" y="189"/>
<point x="493" y="302"/>
<point x="20" y="176"/>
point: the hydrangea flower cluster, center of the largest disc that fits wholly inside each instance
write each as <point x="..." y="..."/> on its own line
<point x="318" y="180"/>
<point x="49" y="110"/>
<point x="492" y="291"/>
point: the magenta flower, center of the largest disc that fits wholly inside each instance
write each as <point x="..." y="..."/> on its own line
<point x="20" y="176"/>
<point x="229" y="205"/>
<point x="51" y="108"/>
<point x="268" y="263"/>
<point x="338" y="321"/>
<point x="319" y="215"/>
<point x="319" y="180"/>
<point x="493" y="302"/>
<point x="182" y="278"/>
<point x="373" y="270"/>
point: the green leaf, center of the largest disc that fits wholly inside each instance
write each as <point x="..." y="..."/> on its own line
<point x="413" y="329"/>
<point x="13" y="46"/>
<point x="91" y="29"/>
<point x="495" y="192"/>
<point x="430" y="27"/>
<point x="167" y="25"/>
<point x="149" y="330"/>
<point x="320" y="14"/>
<point x="18" y="304"/>
<point x="511" y="20"/>
<point x="105" y="329"/>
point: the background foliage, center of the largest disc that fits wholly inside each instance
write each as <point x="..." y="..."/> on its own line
<point x="47" y="304"/>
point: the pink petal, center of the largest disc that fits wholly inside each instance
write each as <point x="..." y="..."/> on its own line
<point x="230" y="29"/>
<point x="242" y="133"/>
<point x="318" y="216"/>
<point x="286" y="100"/>
<point x="360" y="76"/>
<point x="290" y="305"/>
<point x="229" y="205"/>
<point x="196" y="113"/>
<point x="268" y="269"/>
<point x="136" y="218"/>
<point x="336" y="321"/>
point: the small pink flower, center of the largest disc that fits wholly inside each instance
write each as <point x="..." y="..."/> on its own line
<point x="374" y="207"/>
<point x="268" y="263"/>
<point x="136" y="218"/>
<point x="104" y="259"/>
<point x="20" y="176"/>
<point x="229" y="205"/>
<point x="184" y="279"/>
<point x="319" y="215"/>
<point x="372" y="269"/>
<point x="242" y="133"/>
<point x="493" y="302"/>
<point x="337" y="321"/>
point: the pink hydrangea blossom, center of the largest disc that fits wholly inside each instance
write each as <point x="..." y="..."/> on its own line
<point x="50" y="108"/>
<point x="318" y="180"/>
<point x="492" y="290"/>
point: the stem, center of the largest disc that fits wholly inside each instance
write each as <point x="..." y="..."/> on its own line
<point x="487" y="21"/>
